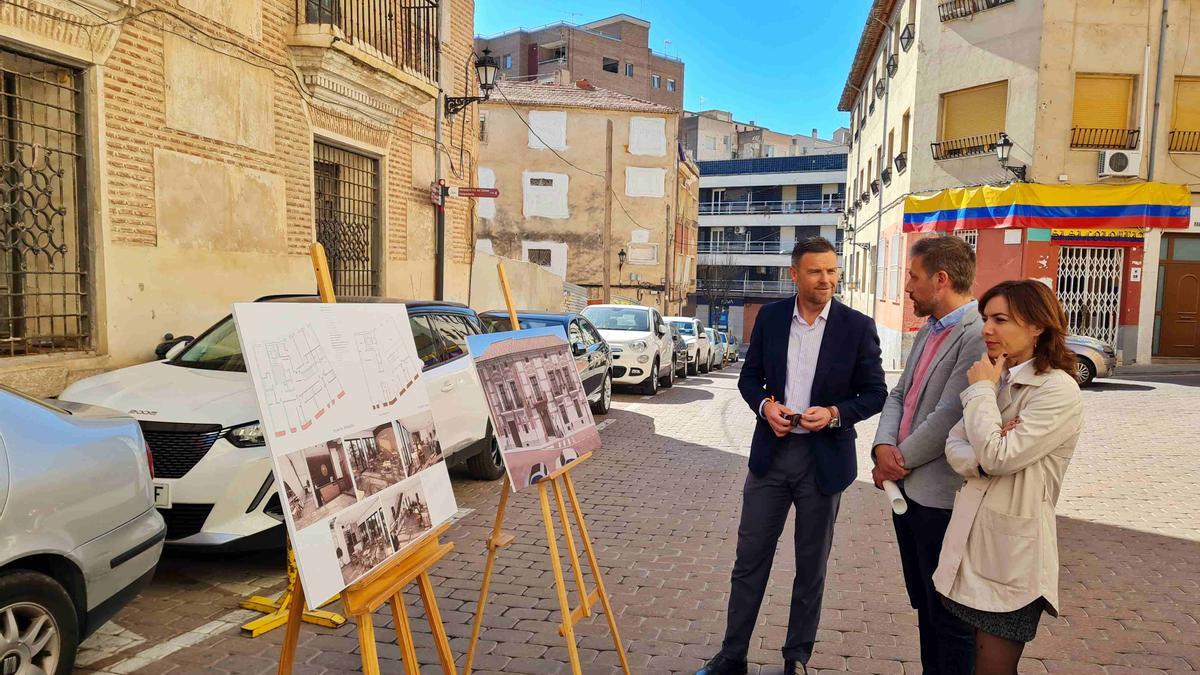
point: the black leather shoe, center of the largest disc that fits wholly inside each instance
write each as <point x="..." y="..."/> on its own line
<point x="794" y="667"/>
<point x="720" y="665"/>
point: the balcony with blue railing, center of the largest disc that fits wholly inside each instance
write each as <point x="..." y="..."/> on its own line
<point x="764" y="247"/>
<point x="744" y="287"/>
<point x="742" y="208"/>
<point x="733" y="167"/>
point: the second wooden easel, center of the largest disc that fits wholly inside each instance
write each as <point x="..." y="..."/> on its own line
<point x="559" y="483"/>
<point x="384" y="586"/>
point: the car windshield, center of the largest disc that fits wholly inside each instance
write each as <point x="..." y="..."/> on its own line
<point x="218" y="349"/>
<point x="618" y="318"/>
<point x="498" y="324"/>
<point x="684" y="327"/>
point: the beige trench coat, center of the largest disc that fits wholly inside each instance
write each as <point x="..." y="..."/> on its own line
<point x="1001" y="548"/>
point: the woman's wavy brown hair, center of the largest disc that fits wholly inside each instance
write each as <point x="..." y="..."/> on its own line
<point x="1031" y="302"/>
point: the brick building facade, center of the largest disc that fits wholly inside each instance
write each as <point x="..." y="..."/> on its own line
<point x="171" y="158"/>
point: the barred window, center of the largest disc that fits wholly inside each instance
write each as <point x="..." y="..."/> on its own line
<point x="45" y="260"/>
<point x="346" y="186"/>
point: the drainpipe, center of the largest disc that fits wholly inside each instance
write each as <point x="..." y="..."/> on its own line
<point x="1162" y="52"/>
<point x="439" y="212"/>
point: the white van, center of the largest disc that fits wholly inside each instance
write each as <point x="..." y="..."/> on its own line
<point x="213" y="481"/>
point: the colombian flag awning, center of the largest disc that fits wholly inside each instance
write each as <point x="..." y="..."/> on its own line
<point x="1049" y="206"/>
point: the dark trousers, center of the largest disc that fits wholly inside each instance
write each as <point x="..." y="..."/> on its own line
<point x="766" y="500"/>
<point x="947" y="644"/>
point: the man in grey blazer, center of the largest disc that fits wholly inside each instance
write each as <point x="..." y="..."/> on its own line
<point x="911" y="442"/>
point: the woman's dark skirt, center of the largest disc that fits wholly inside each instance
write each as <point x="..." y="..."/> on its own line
<point x="1020" y="625"/>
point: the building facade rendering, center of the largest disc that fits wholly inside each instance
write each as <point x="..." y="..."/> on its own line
<point x="604" y="211"/>
<point x="164" y="159"/>
<point x="935" y="87"/>
<point x="612" y="53"/>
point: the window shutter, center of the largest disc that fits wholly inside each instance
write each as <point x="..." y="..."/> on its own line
<point x="1102" y="101"/>
<point x="1187" y="104"/>
<point x="975" y="111"/>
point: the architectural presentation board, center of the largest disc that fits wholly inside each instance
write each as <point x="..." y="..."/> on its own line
<point x="537" y="402"/>
<point x="347" y="419"/>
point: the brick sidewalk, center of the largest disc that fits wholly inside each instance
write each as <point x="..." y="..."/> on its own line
<point x="662" y="501"/>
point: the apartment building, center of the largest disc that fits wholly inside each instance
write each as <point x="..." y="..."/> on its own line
<point x="592" y="187"/>
<point x="612" y="53"/>
<point x="166" y="158"/>
<point x="752" y="212"/>
<point x="711" y="135"/>
<point x="1099" y="113"/>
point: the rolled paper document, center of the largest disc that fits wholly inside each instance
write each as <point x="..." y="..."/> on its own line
<point x="899" y="505"/>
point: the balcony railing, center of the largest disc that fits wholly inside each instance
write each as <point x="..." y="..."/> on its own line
<point x="765" y="247"/>
<point x="965" y="147"/>
<point x="960" y="9"/>
<point x="795" y="206"/>
<point x="403" y="33"/>
<point x="1184" y="141"/>
<point x="726" y="167"/>
<point x="742" y="287"/>
<point x="558" y="61"/>
<point x="1100" y="139"/>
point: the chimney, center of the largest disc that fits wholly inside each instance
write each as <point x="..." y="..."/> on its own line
<point x="815" y="134"/>
<point x="585" y="85"/>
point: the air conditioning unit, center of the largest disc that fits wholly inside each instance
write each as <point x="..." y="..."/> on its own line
<point x="1120" y="163"/>
<point x="739" y="230"/>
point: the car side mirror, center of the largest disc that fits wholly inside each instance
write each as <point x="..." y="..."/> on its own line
<point x="579" y="348"/>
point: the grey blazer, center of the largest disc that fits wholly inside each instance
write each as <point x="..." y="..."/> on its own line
<point x="932" y="482"/>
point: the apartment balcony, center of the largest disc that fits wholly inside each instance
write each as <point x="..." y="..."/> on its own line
<point x="726" y="167"/>
<point x="1104" y="139"/>
<point x="1180" y="140"/>
<point x="771" y="247"/>
<point x="742" y="288"/>
<point x="368" y="56"/>
<point x="965" y="147"/>
<point x="961" y="9"/>
<point x="752" y="207"/>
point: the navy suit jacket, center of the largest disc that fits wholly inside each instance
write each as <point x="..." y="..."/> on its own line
<point x="849" y="375"/>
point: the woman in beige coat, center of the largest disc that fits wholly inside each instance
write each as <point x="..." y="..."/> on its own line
<point x="998" y="569"/>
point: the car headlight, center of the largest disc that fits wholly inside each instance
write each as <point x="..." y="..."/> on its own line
<point x="638" y="345"/>
<point x="247" y="436"/>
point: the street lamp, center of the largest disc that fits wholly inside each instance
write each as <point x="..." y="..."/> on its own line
<point x="1004" y="148"/>
<point x="486" y="70"/>
<point x="621" y="257"/>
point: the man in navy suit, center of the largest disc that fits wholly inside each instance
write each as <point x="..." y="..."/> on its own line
<point x="811" y="373"/>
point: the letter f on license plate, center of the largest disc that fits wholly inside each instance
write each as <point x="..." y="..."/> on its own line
<point x="162" y="495"/>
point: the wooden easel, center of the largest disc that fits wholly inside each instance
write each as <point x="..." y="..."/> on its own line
<point x="559" y="482"/>
<point x="277" y="611"/>
<point x="387" y="585"/>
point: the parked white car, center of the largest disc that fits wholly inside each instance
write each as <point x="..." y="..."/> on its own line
<point x="197" y="409"/>
<point x="699" y="350"/>
<point x="642" y="348"/>
<point x="717" y="359"/>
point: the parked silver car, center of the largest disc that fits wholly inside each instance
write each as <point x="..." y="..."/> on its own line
<point x="79" y="535"/>
<point x="1093" y="358"/>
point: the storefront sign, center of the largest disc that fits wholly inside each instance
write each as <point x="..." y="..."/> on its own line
<point x="1108" y="236"/>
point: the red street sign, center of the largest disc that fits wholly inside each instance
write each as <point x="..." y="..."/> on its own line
<point x="435" y="194"/>
<point x="474" y="192"/>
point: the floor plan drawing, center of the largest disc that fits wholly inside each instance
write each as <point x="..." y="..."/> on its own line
<point x="300" y="383"/>
<point x="388" y="371"/>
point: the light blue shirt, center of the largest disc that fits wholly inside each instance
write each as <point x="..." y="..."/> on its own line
<point x="804" y="348"/>
<point x="952" y="319"/>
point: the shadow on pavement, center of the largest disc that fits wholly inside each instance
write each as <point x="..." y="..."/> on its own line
<point x="1101" y="386"/>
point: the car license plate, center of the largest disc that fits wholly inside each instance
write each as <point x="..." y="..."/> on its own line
<point x="162" y="494"/>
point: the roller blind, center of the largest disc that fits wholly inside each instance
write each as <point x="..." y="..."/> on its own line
<point x="1187" y="104"/>
<point x="975" y="111"/>
<point x="1102" y="101"/>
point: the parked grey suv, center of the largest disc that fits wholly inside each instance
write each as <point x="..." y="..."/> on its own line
<point x="79" y="535"/>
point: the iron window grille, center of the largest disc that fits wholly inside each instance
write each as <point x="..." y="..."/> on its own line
<point x="901" y="162"/>
<point x="346" y="191"/>
<point x="45" y="258"/>
<point x="875" y="186"/>
<point x="886" y="176"/>
<point x="907" y="36"/>
<point x="893" y="64"/>
<point x="1100" y="139"/>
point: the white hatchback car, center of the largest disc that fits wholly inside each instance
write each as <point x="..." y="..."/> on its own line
<point x="699" y="350"/>
<point x="197" y="409"/>
<point x="642" y="348"/>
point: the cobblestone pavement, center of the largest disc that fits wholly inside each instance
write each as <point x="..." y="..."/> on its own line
<point x="662" y="502"/>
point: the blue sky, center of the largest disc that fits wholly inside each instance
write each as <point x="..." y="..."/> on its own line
<point x="781" y="63"/>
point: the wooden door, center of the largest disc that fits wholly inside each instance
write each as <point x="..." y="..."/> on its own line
<point x="1180" y="329"/>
